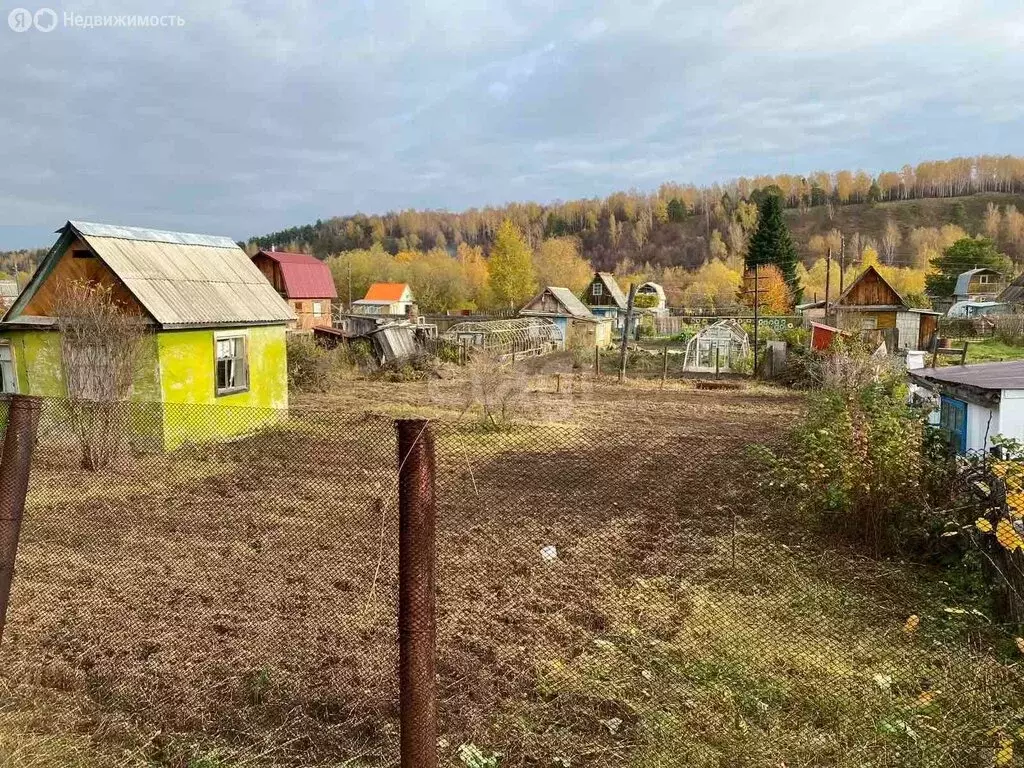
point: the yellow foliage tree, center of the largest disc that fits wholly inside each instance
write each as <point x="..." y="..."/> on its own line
<point x="776" y="298"/>
<point x="558" y="262"/>
<point x="712" y="286"/>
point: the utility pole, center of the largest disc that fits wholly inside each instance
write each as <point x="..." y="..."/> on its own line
<point x="757" y="314"/>
<point x="349" y="282"/>
<point x="625" y="332"/>
<point x="828" y="280"/>
<point x="842" y="261"/>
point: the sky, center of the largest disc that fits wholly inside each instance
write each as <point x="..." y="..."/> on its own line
<point x="249" y="117"/>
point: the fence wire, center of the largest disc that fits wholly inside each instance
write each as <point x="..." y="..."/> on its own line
<point x="223" y="587"/>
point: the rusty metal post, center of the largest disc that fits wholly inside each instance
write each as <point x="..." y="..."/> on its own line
<point x="597" y="361"/>
<point x="417" y="624"/>
<point x="22" y="420"/>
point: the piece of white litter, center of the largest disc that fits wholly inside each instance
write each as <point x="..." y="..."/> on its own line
<point x="549" y="553"/>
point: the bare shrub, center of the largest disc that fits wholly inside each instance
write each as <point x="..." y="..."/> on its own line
<point x="495" y="391"/>
<point x="102" y="343"/>
<point x="313" y="367"/>
<point x="1009" y="329"/>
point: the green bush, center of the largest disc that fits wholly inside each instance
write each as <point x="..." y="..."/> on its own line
<point x="855" y="466"/>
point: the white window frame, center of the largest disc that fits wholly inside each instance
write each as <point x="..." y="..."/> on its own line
<point x="8" y="371"/>
<point x="318" y="309"/>
<point x="240" y="371"/>
<point x="597" y="289"/>
<point x="984" y="279"/>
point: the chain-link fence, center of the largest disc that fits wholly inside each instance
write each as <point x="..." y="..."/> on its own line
<point x="220" y="588"/>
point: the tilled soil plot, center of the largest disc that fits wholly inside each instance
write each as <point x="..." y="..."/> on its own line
<point x="244" y="594"/>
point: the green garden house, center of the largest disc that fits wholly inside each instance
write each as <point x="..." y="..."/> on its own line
<point x="214" y="363"/>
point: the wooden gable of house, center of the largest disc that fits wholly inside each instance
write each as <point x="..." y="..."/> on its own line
<point x="870" y="291"/>
<point x="546" y="302"/>
<point x="78" y="263"/>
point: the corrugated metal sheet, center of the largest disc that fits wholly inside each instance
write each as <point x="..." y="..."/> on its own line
<point x="386" y="292"/>
<point x="8" y="290"/>
<point x="151" y="235"/>
<point x="572" y="304"/>
<point x="190" y="283"/>
<point x="304" y="276"/>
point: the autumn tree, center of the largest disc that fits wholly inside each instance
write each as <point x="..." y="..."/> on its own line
<point x="891" y="239"/>
<point x="993" y="226"/>
<point x="475" y="273"/>
<point x="512" y="278"/>
<point x="773" y="290"/>
<point x="558" y="262"/>
<point x="771" y="243"/>
<point x="713" y="286"/>
<point x="966" y="253"/>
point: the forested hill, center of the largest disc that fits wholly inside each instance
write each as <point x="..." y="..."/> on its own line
<point x="685" y="225"/>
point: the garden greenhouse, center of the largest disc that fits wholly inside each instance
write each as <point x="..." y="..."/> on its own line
<point x="521" y="336"/>
<point x="723" y="347"/>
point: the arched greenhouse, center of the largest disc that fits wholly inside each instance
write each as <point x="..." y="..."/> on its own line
<point x="521" y="336"/>
<point x="723" y="346"/>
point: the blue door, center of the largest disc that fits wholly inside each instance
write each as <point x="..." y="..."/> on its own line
<point x="953" y="422"/>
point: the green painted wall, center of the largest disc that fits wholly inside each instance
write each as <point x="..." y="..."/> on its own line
<point x="175" y="378"/>
<point x="193" y="412"/>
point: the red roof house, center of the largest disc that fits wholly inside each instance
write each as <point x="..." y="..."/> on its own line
<point x="304" y="282"/>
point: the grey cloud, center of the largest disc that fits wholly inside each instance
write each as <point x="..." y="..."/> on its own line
<point x="260" y="115"/>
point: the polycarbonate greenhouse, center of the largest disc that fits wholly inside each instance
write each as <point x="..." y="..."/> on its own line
<point x="521" y="336"/>
<point x="722" y="346"/>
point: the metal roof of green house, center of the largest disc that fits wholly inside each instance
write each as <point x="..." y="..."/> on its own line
<point x="183" y="280"/>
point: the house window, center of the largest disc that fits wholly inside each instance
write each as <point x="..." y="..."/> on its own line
<point x="597" y="289"/>
<point x="318" y="309"/>
<point x="868" y="323"/>
<point x="953" y="422"/>
<point x="232" y="365"/>
<point x="8" y="383"/>
<point x="984" y="279"/>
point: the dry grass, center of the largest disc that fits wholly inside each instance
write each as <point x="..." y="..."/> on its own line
<point x="237" y="607"/>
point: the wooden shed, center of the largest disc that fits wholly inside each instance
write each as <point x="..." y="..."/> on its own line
<point x="870" y="303"/>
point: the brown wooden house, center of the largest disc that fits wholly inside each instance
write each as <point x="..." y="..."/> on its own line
<point x="870" y="303"/>
<point x="304" y="282"/>
<point x="604" y="298"/>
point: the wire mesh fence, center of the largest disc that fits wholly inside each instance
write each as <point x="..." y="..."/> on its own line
<point x="226" y="582"/>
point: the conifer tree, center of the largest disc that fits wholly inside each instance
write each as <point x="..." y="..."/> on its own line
<point x="771" y="243"/>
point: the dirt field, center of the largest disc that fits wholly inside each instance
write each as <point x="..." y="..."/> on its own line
<point x="234" y="604"/>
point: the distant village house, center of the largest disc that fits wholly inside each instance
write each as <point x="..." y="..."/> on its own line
<point x="870" y="303"/>
<point x="303" y="281"/>
<point x="385" y="299"/>
<point x="605" y="299"/>
<point x="579" y="326"/>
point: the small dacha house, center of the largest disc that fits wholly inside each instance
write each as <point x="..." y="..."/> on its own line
<point x="578" y="325"/>
<point x="214" y="360"/>
<point x="304" y="282"/>
<point x="604" y="298"/>
<point x="981" y="284"/>
<point x="870" y="303"/>
<point x="385" y="299"/>
<point x="976" y="402"/>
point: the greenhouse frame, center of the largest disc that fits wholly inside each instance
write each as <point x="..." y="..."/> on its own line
<point x="718" y="347"/>
<point x="521" y="336"/>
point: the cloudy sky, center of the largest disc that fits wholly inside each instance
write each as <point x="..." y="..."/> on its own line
<point x="254" y="116"/>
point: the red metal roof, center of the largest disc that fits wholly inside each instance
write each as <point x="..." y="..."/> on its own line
<point x="304" y="276"/>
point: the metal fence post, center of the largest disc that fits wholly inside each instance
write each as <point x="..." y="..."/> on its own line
<point x="20" y="438"/>
<point x="417" y="625"/>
